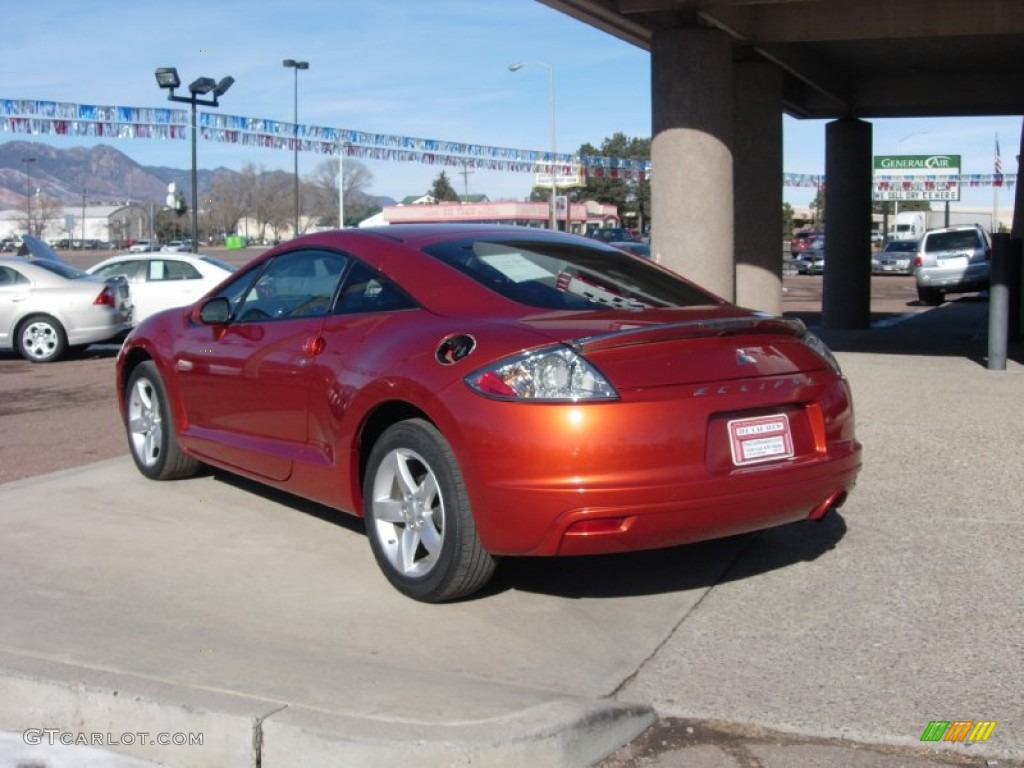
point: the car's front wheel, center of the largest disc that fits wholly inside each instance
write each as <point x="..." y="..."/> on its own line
<point x="150" y="426"/>
<point x="418" y="516"/>
<point x="41" y="339"/>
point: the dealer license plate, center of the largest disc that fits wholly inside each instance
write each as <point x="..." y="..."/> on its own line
<point x="761" y="438"/>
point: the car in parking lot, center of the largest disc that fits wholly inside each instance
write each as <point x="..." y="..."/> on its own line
<point x="480" y="391"/>
<point x="803" y="242"/>
<point x="144" y="246"/>
<point x="49" y="308"/>
<point x="895" y="258"/>
<point x="811" y="261"/>
<point x="952" y="260"/>
<point x="635" y="247"/>
<point x="177" y="246"/>
<point x="161" y="281"/>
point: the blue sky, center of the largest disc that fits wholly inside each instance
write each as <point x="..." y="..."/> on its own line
<point x="436" y="69"/>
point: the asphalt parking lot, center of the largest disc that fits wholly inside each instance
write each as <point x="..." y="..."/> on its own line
<point x="830" y="644"/>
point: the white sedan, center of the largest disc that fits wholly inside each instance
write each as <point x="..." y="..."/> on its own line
<point x="161" y="281"/>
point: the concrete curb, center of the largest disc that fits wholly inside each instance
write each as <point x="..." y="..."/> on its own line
<point x="131" y="715"/>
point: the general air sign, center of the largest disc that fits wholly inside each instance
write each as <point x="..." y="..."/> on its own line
<point x="917" y="177"/>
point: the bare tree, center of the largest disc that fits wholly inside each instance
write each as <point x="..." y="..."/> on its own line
<point x="226" y="202"/>
<point x="45" y="209"/>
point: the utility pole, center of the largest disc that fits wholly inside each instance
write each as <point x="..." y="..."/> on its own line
<point x="465" y="178"/>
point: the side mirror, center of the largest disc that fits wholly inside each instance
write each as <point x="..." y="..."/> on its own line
<point x="216" y="311"/>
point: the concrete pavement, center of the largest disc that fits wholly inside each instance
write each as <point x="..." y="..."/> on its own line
<point x="215" y="607"/>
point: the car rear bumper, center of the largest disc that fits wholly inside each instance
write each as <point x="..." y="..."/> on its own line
<point x="615" y="477"/>
<point x="975" y="277"/>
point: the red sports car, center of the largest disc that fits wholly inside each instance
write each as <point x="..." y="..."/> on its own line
<point x="479" y="391"/>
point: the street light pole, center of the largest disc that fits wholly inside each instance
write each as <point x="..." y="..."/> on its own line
<point x="167" y="77"/>
<point x="296" y="65"/>
<point x="553" y="222"/>
<point x="28" y="190"/>
<point x="896" y="204"/>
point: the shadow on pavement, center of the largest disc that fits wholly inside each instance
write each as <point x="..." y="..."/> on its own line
<point x="954" y="329"/>
<point x="681" y="568"/>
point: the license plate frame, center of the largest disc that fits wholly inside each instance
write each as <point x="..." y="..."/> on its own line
<point x="759" y="439"/>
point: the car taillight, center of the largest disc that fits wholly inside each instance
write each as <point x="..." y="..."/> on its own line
<point x="106" y="298"/>
<point x="549" y="374"/>
<point x="918" y="260"/>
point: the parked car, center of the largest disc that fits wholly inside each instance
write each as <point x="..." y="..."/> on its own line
<point x="480" y="391"/>
<point x="165" y="280"/>
<point x="802" y="242"/>
<point x="952" y="260"/>
<point x="635" y="247"/>
<point x="811" y="261"/>
<point x="895" y="258"/>
<point x="177" y="246"/>
<point x="48" y="308"/>
<point x="613" y="235"/>
<point x="144" y="246"/>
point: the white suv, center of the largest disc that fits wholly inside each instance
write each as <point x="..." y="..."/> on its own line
<point x="952" y="260"/>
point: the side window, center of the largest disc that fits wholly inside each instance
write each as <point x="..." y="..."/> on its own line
<point x="296" y="284"/>
<point x="127" y="268"/>
<point x="10" y="276"/>
<point x="366" y="290"/>
<point x="172" y="269"/>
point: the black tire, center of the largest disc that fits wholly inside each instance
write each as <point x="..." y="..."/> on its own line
<point x="41" y="339"/>
<point x="930" y="296"/>
<point x="150" y="426"/>
<point x="418" y="516"/>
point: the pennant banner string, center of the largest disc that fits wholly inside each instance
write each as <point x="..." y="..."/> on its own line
<point x="38" y="117"/>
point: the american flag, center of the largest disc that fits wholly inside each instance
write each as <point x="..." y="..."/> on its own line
<point x="998" y="176"/>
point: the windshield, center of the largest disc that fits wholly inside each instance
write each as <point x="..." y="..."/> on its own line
<point x="218" y="262"/>
<point x="561" y="275"/>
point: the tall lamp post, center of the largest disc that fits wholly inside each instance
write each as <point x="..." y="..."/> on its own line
<point x="167" y="77"/>
<point x="296" y="65"/>
<point x="553" y="223"/>
<point x="896" y="203"/>
<point x="28" y="190"/>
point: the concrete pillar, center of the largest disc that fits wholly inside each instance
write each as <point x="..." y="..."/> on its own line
<point x="757" y="181"/>
<point x="692" y="178"/>
<point x="846" y="294"/>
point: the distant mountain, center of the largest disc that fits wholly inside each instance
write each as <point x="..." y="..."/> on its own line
<point x="104" y="173"/>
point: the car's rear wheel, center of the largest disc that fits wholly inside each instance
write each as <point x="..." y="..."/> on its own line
<point x="418" y="516"/>
<point x="150" y="426"/>
<point x="41" y="339"/>
<point x="930" y="296"/>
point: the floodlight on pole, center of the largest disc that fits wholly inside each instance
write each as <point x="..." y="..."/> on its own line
<point x="167" y="78"/>
<point x="296" y="65"/>
<point x="553" y="223"/>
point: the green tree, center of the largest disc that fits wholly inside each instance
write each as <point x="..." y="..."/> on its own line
<point x="442" y="190"/>
<point x="632" y="197"/>
<point x="787" y="219"/>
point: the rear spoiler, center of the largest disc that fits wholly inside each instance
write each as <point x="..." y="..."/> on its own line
<point x="719" y="326"/>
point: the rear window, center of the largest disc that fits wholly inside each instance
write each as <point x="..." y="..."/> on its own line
<point x="903" y="246"/>
<point x="949" y="241"/>
<point x="560" y="275"/>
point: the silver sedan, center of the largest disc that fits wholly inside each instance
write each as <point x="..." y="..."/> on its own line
<point x="48" y="307"/>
